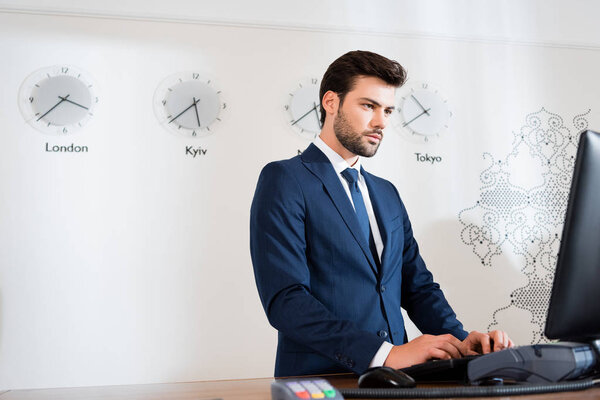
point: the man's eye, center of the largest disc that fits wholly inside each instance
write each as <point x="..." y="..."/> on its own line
<point x="370" y="106"/>
<point x="388" y="112"/>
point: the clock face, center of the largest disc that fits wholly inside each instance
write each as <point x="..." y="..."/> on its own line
<point x="188" y="104"/>
<point x="59" y="99"/>
<point x="303" y="109"/>
<point x="422" y="112"/>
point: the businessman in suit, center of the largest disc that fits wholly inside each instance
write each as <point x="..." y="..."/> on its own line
<point x="333" y="249"/>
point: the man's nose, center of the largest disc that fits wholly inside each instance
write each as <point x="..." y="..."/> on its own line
<point x="379" y="120"/>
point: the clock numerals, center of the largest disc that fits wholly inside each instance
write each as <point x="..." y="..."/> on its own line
<point x="58" y="99"/>
<point x="187" y="104"/>
<point x="423" y="112"/>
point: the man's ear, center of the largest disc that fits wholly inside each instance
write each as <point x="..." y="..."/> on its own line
<point x="330" y="102"/>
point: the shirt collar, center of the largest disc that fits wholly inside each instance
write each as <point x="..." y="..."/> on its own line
<point x="339" y="164"/>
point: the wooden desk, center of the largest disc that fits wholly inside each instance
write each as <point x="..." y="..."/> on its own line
<point x="247" y="389"/>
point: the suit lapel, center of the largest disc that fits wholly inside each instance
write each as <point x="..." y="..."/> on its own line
<point x="380" y="215"/>
<point x="319" y="165"/>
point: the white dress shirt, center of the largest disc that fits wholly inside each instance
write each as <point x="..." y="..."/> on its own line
<point x="339" y="165"/>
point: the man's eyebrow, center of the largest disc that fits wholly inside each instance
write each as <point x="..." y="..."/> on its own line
<point x="376" y="103"/>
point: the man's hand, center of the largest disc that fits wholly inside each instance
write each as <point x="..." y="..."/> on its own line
<point x="484" y="343"/>
<point x="424" y="348"/>
<point x="443" y="347"/>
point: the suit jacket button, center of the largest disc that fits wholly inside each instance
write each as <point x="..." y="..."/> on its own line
<point x="382" y="333"/>
<point x="381" y="288"/>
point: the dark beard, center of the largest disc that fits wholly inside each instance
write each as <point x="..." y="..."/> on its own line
<point x="351" y="139"/>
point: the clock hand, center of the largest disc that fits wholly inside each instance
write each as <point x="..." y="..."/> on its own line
<point x="196" y="109"/>
<point x="56" y="105"/>
<point x="305" y="114"/>
<point x="72" y="102"/>
<point x="178" y="115"/>
<point x="317" y="114"/>
<point x="424" y="112"/>
<point x="422" y="108"/>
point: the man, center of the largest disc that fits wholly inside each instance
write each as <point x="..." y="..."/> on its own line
<point x="332" y="246"/>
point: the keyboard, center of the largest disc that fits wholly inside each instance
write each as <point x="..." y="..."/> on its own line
<point x="454" y="370"/>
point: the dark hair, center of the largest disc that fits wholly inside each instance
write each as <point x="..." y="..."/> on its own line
<point x="342" y="73"/>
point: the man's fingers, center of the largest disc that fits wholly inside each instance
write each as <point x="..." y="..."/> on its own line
<point x="504" y="343"/>
<point x="450" y="345"/>
<point x="464" y="349"/>
<point x="497" y="344"/>
<point x="495" y="340"/>
<point x="484" y="341"/>
<point x="435" y="352"/>
<point x="453" y="341"/>
<point x="451" y="349"/>
<point x="501" y="340"/>
<point x="443" y="347"/>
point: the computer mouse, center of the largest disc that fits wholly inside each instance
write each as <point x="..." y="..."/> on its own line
<point x="385" y="377"/>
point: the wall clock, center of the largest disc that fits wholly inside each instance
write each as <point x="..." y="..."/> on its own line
<point x="303" y="109"/>
<point x="422" y="112"/>
<point x="59" y="99"/>
<point x="189" y="104"/>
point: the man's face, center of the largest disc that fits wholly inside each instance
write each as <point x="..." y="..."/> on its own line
<point x="363" y="115"/>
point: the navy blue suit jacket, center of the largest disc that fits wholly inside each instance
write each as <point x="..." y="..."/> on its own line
<point x="317" y="279"/>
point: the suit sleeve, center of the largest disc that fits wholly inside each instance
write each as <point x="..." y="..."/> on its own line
<point x="278" y="247"/>
<point x="422" y="297"/>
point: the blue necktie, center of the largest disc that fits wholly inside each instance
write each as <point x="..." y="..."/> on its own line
<point x="351" y="176"/>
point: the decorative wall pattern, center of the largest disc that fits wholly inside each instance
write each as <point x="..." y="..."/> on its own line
<point x="521" y="210"/>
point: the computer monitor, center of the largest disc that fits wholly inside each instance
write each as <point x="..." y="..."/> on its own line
<point x="574" y="310"/>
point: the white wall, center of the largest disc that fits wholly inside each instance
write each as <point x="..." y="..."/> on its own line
<point x="557" y="22"/>
<point x="130" y="264"/>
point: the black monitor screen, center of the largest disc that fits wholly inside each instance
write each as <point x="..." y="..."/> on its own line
<point x="574" y="311"/>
